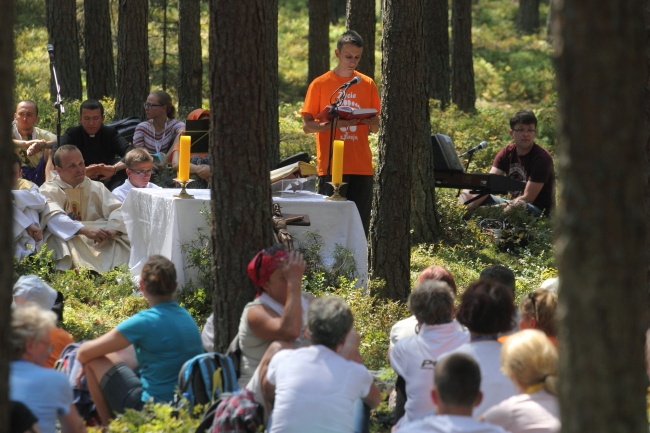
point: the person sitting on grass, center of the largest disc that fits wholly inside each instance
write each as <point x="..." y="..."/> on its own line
<point x="46" y="392"/>
<point x="31" y="288"/>
<point x="162" y="338"/>
<point x="530" y="359"/>
<point x="486" y="309"/>
<point x="315" y="389"/>
<point x="139" y="167"/>
<point x="456" y="392"/>
<point x="413" y="358"/>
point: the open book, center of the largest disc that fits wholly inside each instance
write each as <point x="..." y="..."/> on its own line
<point x="347" y="113"/>
<point x="297" y="169"/>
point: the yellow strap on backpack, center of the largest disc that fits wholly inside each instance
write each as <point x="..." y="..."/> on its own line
<point x="217" y="382"/>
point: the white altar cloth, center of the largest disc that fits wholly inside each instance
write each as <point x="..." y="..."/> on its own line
<point x="158" y="223"/>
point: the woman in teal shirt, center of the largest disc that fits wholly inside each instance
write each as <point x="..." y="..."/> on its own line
<point x="161" y="337"/>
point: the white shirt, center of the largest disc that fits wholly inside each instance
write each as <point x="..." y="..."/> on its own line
<point x="495" y="385"/>
<point x="449" y="424"/>
<point x="529" y="413"/>
<point x="414" y="357"/>
<point x="315" y="390"/>
<point x="123" y="190"/>
<point x="402" y="329"/>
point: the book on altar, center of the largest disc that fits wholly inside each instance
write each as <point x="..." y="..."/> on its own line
<point x="295" y="170"/>
<point x="347" y="113"/>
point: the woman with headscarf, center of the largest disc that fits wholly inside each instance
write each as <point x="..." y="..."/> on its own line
<point x="279" y="311"/>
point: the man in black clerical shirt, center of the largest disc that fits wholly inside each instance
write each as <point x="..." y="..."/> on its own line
<point x="103" y="149"/>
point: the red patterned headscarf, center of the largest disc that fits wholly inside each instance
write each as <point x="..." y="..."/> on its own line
<point x="265" y="263"/>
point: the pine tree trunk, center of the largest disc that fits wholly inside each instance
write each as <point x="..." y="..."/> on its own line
<point x="361" y="18"/>
<point x="463" y="93"/>
<point x="436" y="48"/>
<point x="190" y="66"/>
<point x="337" y="10"/>
<point x="403" y="123"/>
<point x="98" y="47"/>
<point x="528" y="17"/>
<point x="6" y="238"/>
<point x="241" y="191"/>
<point x="132" y="58"/>
<point x="601" y="248"/>
<point x="272" y="84"/>
<point x="319" y="51"/>
<point x="63" y="31"/>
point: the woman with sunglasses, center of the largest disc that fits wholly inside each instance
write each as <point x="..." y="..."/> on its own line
<point x="161" y="131"/>
<point x="537" y="311"/>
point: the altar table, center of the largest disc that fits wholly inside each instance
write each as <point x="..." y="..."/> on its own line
<point x="158" y="223"/>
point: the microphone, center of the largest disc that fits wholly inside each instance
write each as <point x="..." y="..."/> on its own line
<point x="481" y="145"/>
<point x="50" y="51"/>
<point x="355" y="80"/>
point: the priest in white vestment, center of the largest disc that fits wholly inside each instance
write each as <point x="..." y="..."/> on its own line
<point x="82" y="218"/>
<point x="27" y="205"/>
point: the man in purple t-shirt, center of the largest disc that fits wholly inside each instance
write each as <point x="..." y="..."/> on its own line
<point x="523" y="160"/>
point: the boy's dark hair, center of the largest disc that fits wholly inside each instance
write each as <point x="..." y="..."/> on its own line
<point x="349" y="37"/>
<point x="525" y="117"/>
<point x="458" y="379"/>
<point x="91" y="104"/>
<point x="500" y="274"/>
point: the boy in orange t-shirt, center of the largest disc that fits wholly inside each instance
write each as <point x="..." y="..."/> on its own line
<point x="357" y="158"/>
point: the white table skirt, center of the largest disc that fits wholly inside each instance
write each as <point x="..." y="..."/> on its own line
<point x="158" y="223"/>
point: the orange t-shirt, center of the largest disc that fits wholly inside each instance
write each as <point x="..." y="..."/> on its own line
<point x="59" y="338"/>
<point x="357" y="158"/>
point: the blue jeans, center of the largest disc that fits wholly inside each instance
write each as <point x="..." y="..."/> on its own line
<point x="361" y="417"/>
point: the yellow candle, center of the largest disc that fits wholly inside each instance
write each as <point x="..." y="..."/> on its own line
<point x="337" y="162"/>
<point x="184" y="158"/>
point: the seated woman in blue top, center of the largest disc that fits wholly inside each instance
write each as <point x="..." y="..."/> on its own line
<point x="156" y="335"/>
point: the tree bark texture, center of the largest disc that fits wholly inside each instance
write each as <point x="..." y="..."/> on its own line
<point x="437" y="78"/>
<point x="241" y="191"/>
<point x="646" y="19"/>
<point x="98" y="49"/>
<point x="190" y="72"/>
<point x="602" y="243"/>
<point x="337" y="10"/>
<point x="272" y="85"/>
<point x="132" y="58"/>
<point x="361" y="18"/>
<point x="6" y="239"/>
<point x="528" y="17"/>
<point x="63" y="32"/>
<point x="463" y="93"/>
<point x="403" y="123"/>
<point x="318" y="61"/>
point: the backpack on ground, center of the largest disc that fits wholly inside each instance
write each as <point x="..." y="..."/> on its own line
<point x="68" y="365"/>
<point x="205" y="377"/>
<point x="126" y="127"/>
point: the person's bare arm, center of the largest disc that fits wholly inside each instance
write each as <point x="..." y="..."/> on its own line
<point x="373" y="398"/>
<point x="287" y="327"/>
<point x="72" y="422"/>
<point x="110" y="342"/>
<point x="531" y="191"/>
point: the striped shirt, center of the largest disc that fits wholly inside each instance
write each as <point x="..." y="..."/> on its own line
<point x="145" y="135"/>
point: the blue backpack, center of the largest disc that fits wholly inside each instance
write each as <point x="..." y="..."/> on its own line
<point x="68" y="365"/>
<point x="205" y="377"/>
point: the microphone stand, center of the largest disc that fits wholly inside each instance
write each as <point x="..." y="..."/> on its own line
<point x="470" y="154"/>
<point x="58" y="104"/>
